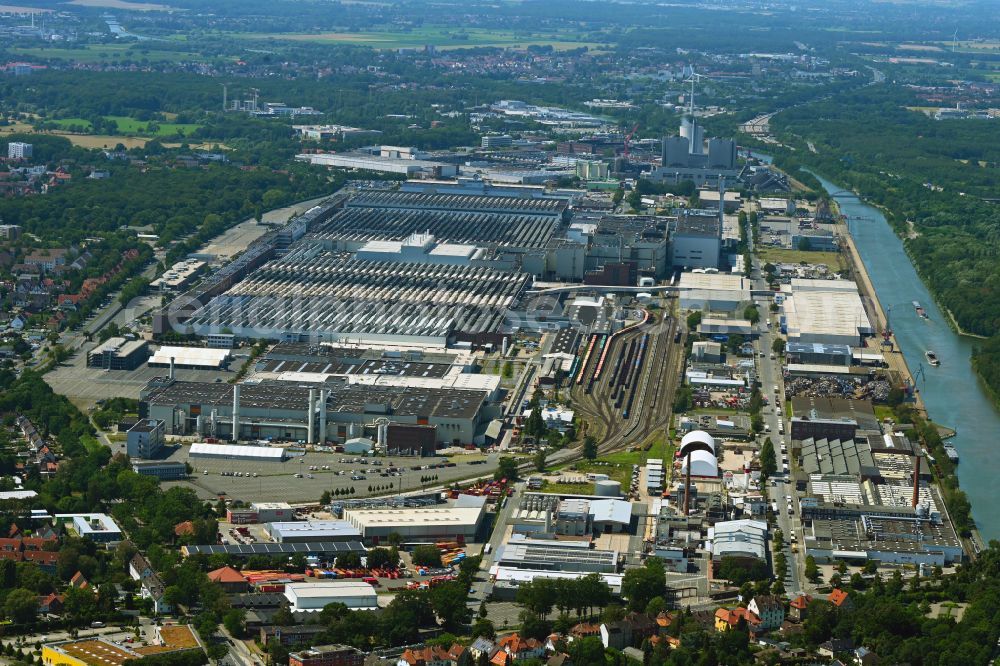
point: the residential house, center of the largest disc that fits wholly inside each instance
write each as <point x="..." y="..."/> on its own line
<point x="30" y="549"/>
<point x="769" y="609"/>
<point x="840" y="599"/>
<point x="629" y="632"/>
<point x="139" y="568"/>
<point x="521" y="648"/>
<point x="79" y="581"/>
<point x="231" y="580"/>
<point x="727" y="619"/>
<point x="153" y="588"/>
<point x="185" y="528"/>
<point x="434" y="656"/>
<point x="865" y="657"/>
<point x="583" y="630"/>
<point x="482" y="646"/>
<point x="47" y="260"/>
<point x="799" y="606"/>
<point x="51" y="604"/>
<point x="835" y="646"/>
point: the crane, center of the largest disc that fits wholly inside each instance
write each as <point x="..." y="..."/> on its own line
<point x="628" y="139"/>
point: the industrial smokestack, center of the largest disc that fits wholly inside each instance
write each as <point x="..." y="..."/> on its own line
<point x="171" y="368"/>
<point x="722" y="201"/>
<point x="382" y="437"/>
<point x="236" y="412"/>
<point x="687" y="486"/>
<point x="310" y="417"/>
<point x="916" y="481"/>
<point x="323" y="393"/>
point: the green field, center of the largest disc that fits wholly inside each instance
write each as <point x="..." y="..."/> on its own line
<point x="441" y="38"/>
<point x="833" y="260"/>
<point x="132" y="127"/>
<point x="105" y="52"/>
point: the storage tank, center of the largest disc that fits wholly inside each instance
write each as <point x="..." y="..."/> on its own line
<point x="608" y="488"/>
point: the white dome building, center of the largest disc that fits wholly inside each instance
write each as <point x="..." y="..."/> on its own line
<point x="697" y="440"/>
<point x="703" y="464"/>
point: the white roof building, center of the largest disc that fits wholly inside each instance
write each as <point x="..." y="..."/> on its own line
<point x="313" y="531"/>
<point x="719" y="292"/>
<point x="265" y="453"/>
<point x="313" y="597"/>
<point x="191" y="357"/>
<point x="606" y="513"/>
<point x="738" y="538"/>
<point x="825" y="311"/>
<point x="703" y="464"/>
<point x="461" y="521"/>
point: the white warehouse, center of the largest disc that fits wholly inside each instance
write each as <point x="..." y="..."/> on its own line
<point x="425" y="524"/>
<point x="314" y="597"/>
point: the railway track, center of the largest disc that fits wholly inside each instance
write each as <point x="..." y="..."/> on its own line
<point x="626" y="402"/>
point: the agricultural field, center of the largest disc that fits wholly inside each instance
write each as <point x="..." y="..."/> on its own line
<point x="440" y="38"/>
<point x="105" y="52"/>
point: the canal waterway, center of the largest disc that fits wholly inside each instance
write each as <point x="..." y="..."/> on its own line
<point x="951" y="392"/>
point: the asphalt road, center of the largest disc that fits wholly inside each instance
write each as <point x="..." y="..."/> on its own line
<point x="770" y="376"/>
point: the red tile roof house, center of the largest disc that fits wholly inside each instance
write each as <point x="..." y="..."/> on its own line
<point x="521" y="648"/>
<point x="432" y="656"/>
<point x="51" y="604"/>
<point x="230" y="579"/>
<point x="798" y="608"/>
<point x="840" y="599"/>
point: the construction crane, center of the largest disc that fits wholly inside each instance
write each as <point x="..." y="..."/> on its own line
<point x="628" y="140"/>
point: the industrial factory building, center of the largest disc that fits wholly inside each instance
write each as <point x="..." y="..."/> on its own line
<point x="352" y="227"/>
<point x="311" y="531"/>
<point x="824" y="311"/>
<point x="425" y="524"/>
<point x="696" y="241"/>
<point x="288" y="411"/>
<point x="310" y="294"/>
<point x="118" y="354"/>
<point x="713" y="292"/>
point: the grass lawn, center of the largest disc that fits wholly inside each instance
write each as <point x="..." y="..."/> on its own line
<point x="132" y="127"/>
<point x="883" y="412"/>
<point x="66" y="123"/>
<point x="91" y="443"/>
<point x="778" y="256"/>
<point x="441" y="38"/>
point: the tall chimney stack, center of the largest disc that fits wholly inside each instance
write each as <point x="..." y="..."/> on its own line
<point x="236" y="412"/>
<point x="916" y="481"/>
<point x="310" y="418"/>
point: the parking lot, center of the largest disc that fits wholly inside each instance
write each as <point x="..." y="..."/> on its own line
<point x="85" y="386"/>
<point x="293" y="480"/>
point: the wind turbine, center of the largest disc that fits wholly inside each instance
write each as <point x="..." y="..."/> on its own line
<point x="695" y="77"/>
